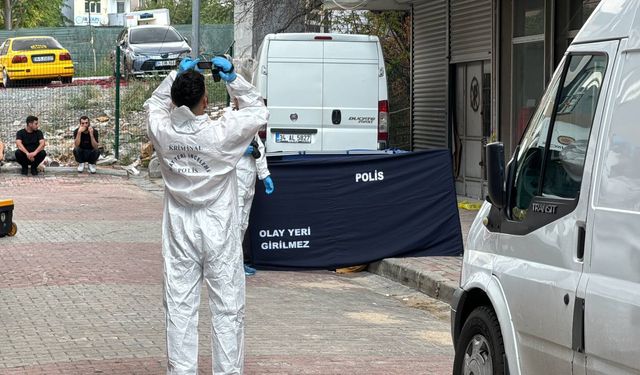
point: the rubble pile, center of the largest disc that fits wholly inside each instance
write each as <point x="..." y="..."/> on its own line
<point x="59" y="118"/>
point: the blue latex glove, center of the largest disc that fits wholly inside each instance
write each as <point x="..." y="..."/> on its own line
<point x="249" y="150"/>
<point x="268" y="185"/>
<point x="225" y="68"/>
<point x="188" y="64"/>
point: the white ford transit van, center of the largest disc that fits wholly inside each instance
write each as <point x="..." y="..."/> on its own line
<point x="325" y="92"/>
<point x="550" y="281"/>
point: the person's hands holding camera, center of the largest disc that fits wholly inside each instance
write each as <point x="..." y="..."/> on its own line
<point x="225" y="68"/>
<point x="188" y="64"/>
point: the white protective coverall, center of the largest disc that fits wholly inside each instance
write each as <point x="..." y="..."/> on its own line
<point x="246" y="169"/>
<point x="201" y="222"/>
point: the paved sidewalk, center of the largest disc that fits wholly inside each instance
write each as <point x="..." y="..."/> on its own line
<point x="437" y="277"/>
<point x="81" y="293"/>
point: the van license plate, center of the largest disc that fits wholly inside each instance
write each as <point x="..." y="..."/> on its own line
<point x="293" y="138"/>
<point x="166" y="63"/>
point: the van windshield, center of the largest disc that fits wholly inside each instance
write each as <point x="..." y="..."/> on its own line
<point x="154" y="35"/>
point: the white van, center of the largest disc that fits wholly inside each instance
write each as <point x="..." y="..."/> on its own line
<point x="325" y="92"/>
<point x="550" y="282"/>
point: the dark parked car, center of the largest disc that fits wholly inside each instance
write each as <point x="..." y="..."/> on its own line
<point x="150" y="49"/>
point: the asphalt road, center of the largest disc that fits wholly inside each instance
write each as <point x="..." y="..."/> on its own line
<point x="80" y="293"/>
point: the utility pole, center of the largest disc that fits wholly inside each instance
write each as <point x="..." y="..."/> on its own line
<point x="7" y="14"/>
<point x="93" y="48"/>
<point x="195" y="28"/>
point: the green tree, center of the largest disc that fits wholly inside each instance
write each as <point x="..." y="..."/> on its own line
<point x="211" y="11"/>
<point x="393" y="28"/>
<point x="36" y="13"/>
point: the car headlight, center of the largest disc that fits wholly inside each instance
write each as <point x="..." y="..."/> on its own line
<point x="136" y="55"/>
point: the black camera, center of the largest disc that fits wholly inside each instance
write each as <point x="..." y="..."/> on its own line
<point x="215" y="72"/>
<point x="256" y="150"/>
<point x="214" y="69"/>
<point x="205" y="64"/>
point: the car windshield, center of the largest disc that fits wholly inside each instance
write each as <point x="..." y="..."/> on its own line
<point x="34" y="44"/>
<point x="154" y="35"/>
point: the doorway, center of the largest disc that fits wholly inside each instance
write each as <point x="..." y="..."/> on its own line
<point x="473" y="125"/>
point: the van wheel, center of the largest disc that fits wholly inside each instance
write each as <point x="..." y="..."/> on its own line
<point x="480" y="349"/>
<point x="66" y="80"/>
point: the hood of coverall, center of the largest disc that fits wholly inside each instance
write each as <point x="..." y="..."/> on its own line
<point x="185" y="121"/>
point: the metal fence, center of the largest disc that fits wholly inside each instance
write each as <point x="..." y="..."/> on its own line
<point x="58" y="103"/>
<point x="400" y="129"/>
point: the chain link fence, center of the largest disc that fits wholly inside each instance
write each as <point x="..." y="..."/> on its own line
<point x="400" y="128"/>
<point x="35" y="85"/>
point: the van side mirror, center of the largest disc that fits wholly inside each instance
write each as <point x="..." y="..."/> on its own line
<point x="494" y="153"/>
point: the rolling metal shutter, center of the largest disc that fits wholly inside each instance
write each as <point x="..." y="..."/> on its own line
<point x="429" y="76"/>
<point x="470" y="30"/>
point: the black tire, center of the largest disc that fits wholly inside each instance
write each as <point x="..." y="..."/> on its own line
<point x="14" y="229"/>
<point x="480" y="348"/>
<point x="6" y="81"/>
<point x="66" y="80"/>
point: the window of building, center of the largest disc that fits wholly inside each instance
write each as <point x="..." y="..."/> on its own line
<point x="569" y="18"/>
<point x="528" y="82"/>
<point x="528" y="60"/>
<point x="92" y="6"/>
<point x="528" y="18"/>
<point x="120" y="6"/>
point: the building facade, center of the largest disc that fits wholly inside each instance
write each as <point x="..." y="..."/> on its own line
<point x="101" y="12"/>
<point x="479" y="68"/>
<point x="254" y="19"/>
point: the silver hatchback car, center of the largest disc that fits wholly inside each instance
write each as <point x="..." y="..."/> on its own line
<point x="150" y="49"/>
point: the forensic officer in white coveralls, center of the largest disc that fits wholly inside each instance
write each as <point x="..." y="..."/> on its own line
<point x="201" y="223"/>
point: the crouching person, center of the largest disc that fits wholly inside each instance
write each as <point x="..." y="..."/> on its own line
<point x="30" y="143"/>
<point x="86" y="146"/>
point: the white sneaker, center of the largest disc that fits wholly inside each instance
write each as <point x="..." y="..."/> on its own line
<point x="92" y="168"/>
<point x="80" y="167"/>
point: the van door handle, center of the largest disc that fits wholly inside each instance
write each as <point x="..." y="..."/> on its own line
<point x="581" y="238"/>
<point x="336" y="117"/>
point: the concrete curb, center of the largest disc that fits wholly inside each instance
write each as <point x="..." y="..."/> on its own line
<point x="67" y="170"/>
<point x="429" y="283"/>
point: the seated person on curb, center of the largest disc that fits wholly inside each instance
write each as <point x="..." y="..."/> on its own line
<point x="30" y="142"/>
<point x="86" y="146"/>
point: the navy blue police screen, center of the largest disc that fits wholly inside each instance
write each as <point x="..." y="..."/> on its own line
<point x="330" y="212"/>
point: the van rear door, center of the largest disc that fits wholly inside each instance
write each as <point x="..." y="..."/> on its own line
<point x="350" y="95"/>
<point x="294" y="94"/>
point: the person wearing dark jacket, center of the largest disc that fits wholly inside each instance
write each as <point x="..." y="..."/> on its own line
<point x="86" y="147"/>
<point x="30" y="143"/>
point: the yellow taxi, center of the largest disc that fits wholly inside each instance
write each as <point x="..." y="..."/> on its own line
<point x="34" y="57"/>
